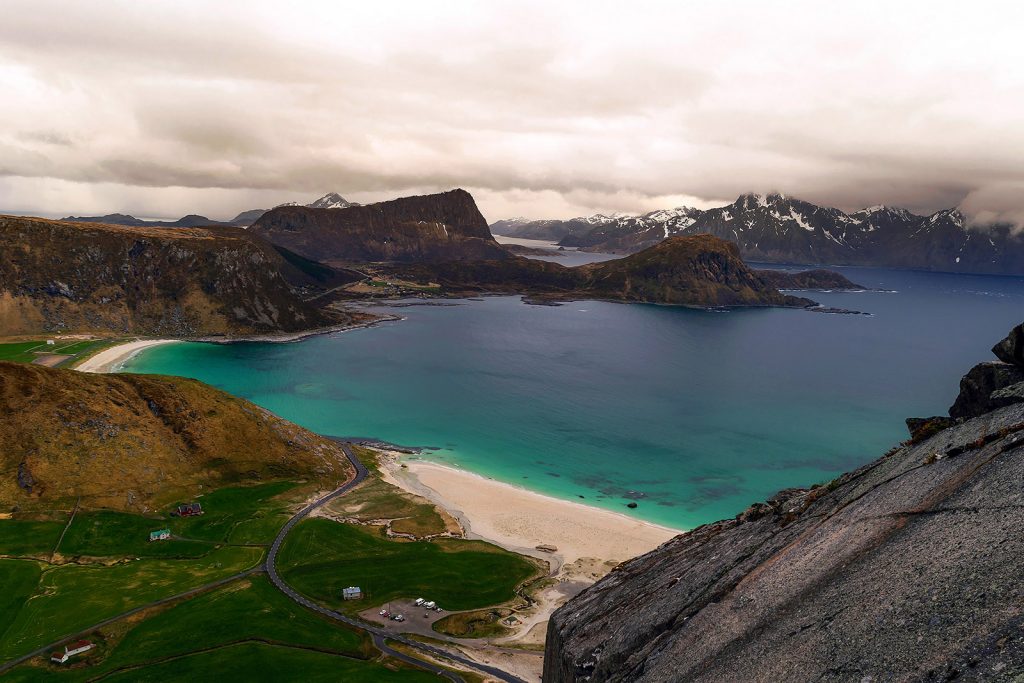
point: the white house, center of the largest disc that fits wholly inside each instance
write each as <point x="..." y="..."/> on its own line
<point x="351" y="593"/>
<point x="71" y="650"/>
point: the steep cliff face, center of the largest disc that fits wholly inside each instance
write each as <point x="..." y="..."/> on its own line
<point x="136" y="441"/>
<point x="438" y="227"/>
<point x="906" y="569"/>
<point x="58" y="276"/>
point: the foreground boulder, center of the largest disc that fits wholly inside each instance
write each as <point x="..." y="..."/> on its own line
<point x="1011" y="349"/>
<point x="979" y="386"/>
<point x="906" y="569"/>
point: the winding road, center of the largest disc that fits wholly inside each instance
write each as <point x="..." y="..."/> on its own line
<point x="380" y="636"/>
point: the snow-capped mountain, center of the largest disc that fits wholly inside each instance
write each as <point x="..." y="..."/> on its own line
<point x="776" y="228"/>
<point x="331" y="200"/>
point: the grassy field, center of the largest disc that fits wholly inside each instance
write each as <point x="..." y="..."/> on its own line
<point x="68" y="598"/>
<point x="376" y="499"/>
<point x="320" y="557"/>
<point x="25" y="351"/>
<point x="248" y="610"/>
<point x="259" y="662"/>
<point x="237" y="514"/>
<point x="476" y="624"/>
<point x="19" y="579"/>
<point x="20" y="537"/>
<point x="106" y="533"/>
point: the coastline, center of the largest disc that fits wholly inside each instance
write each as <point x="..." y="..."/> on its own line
<point x="580" y="543"/>
<point x="520" y="519"/>
<point x="112" y="359"/>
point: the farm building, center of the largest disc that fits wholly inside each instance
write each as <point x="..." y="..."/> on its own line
<point x="189" y="510"/>
<point x="71" y="650"/>
<point x="351" y="593"/>
<point x="160" y="535"/>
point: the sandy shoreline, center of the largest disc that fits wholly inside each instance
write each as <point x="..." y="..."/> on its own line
<point x="111" y="360"/>
<point x="520" y="520"/>
<point x="583" y="543"/>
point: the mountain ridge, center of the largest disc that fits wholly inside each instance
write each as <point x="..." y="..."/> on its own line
<point x="331" y="200"/>
<point x="775" y="228"/>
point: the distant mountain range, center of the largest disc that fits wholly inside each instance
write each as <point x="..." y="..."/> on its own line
<point x="780" y="229"/>
<point x="331" y="200"/>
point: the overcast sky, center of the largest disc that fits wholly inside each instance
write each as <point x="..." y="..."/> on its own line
<point x="547" y="109"/>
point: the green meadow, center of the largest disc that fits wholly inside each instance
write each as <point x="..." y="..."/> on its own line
<point x="26" y="351"/>
<point x="320" y="557"/>
<point x="104" y="566"/>
<point x="69" y="598"/>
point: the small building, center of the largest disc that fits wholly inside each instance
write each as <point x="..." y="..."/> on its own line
<point x="71" y="650"/>
<point x="189" y="510"/>
<point x="351" y="593"/>
<point x="160" y="535"/>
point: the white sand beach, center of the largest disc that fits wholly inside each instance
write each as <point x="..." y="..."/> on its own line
<point x="583" y="543"/>
<point x="110" y="360"/>
<point x="521" y="520"/>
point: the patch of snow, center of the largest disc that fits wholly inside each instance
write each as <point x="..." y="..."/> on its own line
<point x="796" y="216"/>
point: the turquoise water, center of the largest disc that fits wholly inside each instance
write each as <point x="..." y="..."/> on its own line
<point x="693" y="414"/>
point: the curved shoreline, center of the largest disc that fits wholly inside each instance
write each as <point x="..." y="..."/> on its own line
<point x="114" y="358"/>
<point x="520" y="519"/>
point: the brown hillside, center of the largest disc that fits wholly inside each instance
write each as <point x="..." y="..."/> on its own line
<point x="138" y="441"/>
<point x="87" y="277"/>
<point x="699" y="270"/>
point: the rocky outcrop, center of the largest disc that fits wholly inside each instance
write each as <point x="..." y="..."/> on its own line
<point x="58" y="276"/>
<point x="700" y="270"/>
<point x="438" y="227"/>
<point x="978" y="388"/>
<point x="1011" y="349"/>
<point x="817" y="279"/>
<point x="993" y="384"/>
<point x="907" y="569"/>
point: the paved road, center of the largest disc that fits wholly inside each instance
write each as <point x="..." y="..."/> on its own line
<point x="379" y="635"/>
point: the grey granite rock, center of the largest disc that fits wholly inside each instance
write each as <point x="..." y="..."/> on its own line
<point x="909" y="568"/>
<point x="1011" y="349"/>
<point x="978" y="385"/>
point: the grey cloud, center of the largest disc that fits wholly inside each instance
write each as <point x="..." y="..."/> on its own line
<point x="543" y="109"/>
